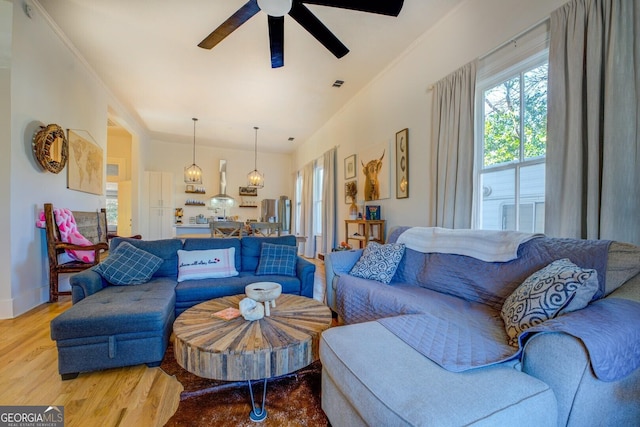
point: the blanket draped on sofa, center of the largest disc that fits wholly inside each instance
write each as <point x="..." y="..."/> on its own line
<point x="466" y="331"/>
<point x="457" y="345"/>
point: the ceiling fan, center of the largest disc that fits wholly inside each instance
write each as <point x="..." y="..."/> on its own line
<point x="277" y="9"/>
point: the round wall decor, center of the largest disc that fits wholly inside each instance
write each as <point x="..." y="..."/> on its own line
<point x="51" y="148"/>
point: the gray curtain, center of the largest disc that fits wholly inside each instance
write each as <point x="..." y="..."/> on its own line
<point x="593" y="144"/>
<point x="306" y="212"/>
<point x="452" y="148"/>
<point x="329" y="212"/>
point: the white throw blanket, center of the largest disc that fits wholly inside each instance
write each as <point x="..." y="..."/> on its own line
<point x="486" y="245"/>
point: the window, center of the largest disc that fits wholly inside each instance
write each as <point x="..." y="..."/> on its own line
<point x="317" y="197"/>
<point x="511" y="145"/>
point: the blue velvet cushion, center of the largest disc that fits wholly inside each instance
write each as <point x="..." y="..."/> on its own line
<point x="559" y="287"/>
<point x="379" y="262"/>
<point x="128" y="265"/>
<point x="277" y="259"/>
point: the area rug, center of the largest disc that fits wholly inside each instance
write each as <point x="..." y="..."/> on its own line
<point x="292" y="400"/>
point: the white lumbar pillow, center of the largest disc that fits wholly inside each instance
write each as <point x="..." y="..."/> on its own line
<point x="207" y="264"/>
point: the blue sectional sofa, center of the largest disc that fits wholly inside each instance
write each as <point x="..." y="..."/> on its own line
<point x="431" y="347"/>
<point x="111" y="326"/>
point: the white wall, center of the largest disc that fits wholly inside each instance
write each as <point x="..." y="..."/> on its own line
<point x="6" y="25"/>
<point x="169" y="156"/>
<point x="48" y="84"/>
<point x="399" y="98"/>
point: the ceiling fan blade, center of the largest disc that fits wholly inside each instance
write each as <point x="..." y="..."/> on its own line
<point x="382" y="7"/>
<point x="241" y="16"/>
<point x="276" y="40"/>
<point x="317" y="29"/>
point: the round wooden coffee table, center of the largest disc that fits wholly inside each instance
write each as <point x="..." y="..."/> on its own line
<point x="239" y="350"/>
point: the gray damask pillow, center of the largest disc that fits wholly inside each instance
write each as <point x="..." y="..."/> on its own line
<point x="379" y="262"/>
<point x="558" y="288"/>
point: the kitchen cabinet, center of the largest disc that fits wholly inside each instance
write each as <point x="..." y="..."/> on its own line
<point x="158" y="193"/>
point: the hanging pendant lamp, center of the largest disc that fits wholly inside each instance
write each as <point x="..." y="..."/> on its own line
<point x="255" y="178"/>
<point x="193" y="173"/>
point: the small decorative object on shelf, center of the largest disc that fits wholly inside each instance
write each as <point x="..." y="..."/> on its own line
<point x="373" y="212"/>
<point x="248" y="203"/>
<point x="351" y="191"/>
<point x="194" y="189"/>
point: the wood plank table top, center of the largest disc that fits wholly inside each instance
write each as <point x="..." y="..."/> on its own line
<point x="239" y="350"/>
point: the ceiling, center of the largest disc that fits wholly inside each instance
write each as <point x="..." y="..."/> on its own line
<point x="146" y="52"/>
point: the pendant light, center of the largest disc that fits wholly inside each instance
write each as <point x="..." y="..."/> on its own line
<point x="255" y="178"/>
<point x="193" y="173"/>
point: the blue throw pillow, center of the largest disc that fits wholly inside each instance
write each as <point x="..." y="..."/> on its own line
<point x="128" y="265"/>
<point x="379" y="262"/>
<point x="277" y="259"/>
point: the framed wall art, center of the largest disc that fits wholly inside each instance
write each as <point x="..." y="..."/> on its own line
<point x="402" y="164"/>
<point x="350" y="167"/>
<point x="85" y="168"/>
<point x="350" y="191"/>
<point x="248" y="191"/>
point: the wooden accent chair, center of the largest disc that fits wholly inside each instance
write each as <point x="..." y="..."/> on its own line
<point x="265" y="229"/>
<point x="93" y="226"/>
<point x="227" y="229"/>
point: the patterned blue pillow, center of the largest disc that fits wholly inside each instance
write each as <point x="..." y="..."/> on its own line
<point x="128" y="265"/>
<point x="379" y="262"/>
<point x="558" y="288"/>
<point x="277" y="259"/>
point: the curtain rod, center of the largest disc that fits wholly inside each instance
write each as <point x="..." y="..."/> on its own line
<point x="513" y="40"/>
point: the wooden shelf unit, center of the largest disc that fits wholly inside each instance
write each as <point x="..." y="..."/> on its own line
<point x="368" y="230"/>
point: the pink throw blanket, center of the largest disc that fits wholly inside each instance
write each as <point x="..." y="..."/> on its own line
<point x="69" y="234"/>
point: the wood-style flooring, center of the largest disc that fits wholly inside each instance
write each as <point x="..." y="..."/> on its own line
<point x="131" y="396"/>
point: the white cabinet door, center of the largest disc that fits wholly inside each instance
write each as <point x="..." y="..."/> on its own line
<point x="160" y="189"/>
<point x="159" y="193"/>
<point x="160" y="223"/>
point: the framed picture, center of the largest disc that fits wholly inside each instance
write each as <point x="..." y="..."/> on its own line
<point x="248" y="191"/>
<point x="402" y="164"/>
<point x="350" y="191"/>
<point x="85" y="170"/>
<point x="191" y="188"/>
<point x="372" y="213"/>
<point x="350" y="167"/>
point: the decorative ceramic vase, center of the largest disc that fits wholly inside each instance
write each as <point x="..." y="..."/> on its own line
<point x="353" y="211"/>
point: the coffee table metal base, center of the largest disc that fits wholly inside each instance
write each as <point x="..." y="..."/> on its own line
<point x="258" y="414"/>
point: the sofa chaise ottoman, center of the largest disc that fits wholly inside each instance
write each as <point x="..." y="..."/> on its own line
<point x="431" y="346"/>
<point x="112" y="325"/>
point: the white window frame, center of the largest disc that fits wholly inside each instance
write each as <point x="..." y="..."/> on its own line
<point x="529" y="51"/>
<point x="318" y="171"/>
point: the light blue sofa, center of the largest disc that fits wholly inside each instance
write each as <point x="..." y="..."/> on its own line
<point x="373" y="377"/>
<point x="112" y="326"/>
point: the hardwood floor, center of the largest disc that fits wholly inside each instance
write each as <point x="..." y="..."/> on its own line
<point x="132" y="396"/>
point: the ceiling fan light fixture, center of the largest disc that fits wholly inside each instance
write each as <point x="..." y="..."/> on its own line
<point x="254" y="178"/>
<point x="275" y="8"/>
<point x="193" y="173"/>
